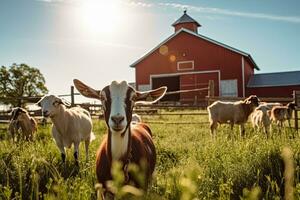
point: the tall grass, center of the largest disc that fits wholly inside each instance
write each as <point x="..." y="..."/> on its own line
<point x="190" y="165"/>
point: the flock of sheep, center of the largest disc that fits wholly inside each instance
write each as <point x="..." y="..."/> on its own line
<point x="126" y="141"/>
<point x="260" y="113"/>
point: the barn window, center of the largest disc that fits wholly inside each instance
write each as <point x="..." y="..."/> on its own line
<point x="229" y="88"/>
<point x="185" y="65"/>
<point x="144" y="87"/>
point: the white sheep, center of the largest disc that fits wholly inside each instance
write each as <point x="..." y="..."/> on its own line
<point x="270" y="105"/>
<point x="261" y="119"/>
<point x="231" y="112"/>
<point x="22" y="122"/>
<point x="70" y="125"/>
<point x="136" y="118"/>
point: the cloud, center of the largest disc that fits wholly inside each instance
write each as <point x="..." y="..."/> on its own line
<point x="139" y="3"/>
<point x="219" y="11"/>
<point x="50" y="1"/>
<point x="200" y="9"/>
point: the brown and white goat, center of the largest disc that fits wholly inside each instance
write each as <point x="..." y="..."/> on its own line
<point x="126" y="142"/>
<point x="21" y="121"/>
<point x="281" y="113"/>
<point x="231" y="112"/>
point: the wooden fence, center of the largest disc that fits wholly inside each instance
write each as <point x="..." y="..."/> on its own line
<point x="170" y="108"/>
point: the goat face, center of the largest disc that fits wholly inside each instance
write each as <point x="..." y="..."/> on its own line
<point x="118" y="100"/>
<point x="50" y="104"/>
<point x="291" y="105"/>
<point x="17" y="112"/>
<point x="253" y="100"/>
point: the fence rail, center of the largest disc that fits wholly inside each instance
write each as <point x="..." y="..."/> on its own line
<point x="155" y="109"/>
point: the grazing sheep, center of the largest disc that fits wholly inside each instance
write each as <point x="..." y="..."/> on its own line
<point x="281" y="113"/>
<point x="136" y="118"/>
<point x="126" y="142"/>
<point x="13" y="129"/>
<point x="270" y="105"/>
<point x="231" y="112"/>
<point x="70" y="125"/>
<point x="21" y="121"/>
<point x="260" y="118"/>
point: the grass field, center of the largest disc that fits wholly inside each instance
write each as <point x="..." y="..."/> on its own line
<point x="190" y="164"/>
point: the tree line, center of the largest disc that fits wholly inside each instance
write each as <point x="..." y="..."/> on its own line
<point x="20" y="80"/>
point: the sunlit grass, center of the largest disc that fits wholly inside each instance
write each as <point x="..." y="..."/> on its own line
<point x="190" y="164"/>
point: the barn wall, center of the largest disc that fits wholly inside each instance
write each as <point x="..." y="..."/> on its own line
<point x="283" y="91"/>
<point x="248" y="72"/>
<point x="184" y="47"/>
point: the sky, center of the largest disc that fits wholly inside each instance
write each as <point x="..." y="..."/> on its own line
<point x="96" y="40"/>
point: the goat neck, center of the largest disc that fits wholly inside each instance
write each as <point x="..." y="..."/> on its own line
<point x="60" y="119"/>
<point x="119" y="144"/>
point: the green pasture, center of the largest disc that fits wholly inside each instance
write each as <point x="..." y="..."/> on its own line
<point x="190" y="164"/>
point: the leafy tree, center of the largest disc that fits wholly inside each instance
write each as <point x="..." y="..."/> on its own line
<point x="19" y="81"/>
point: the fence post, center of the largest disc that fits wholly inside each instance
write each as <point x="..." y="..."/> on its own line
<point x="211" y="90"/>
<point x="72" y="96"/>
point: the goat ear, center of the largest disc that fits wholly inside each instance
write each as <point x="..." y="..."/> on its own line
<point x="150" y="97"/>
<point x="86" y="90"/>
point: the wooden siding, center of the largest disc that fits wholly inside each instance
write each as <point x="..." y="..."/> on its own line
<point x="278" y="91"/>
<point x="186" y="47"/>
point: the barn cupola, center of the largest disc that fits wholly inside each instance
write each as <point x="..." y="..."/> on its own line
<point x="185" y="21"/>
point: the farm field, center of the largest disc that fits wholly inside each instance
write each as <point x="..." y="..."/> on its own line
<point x="190" y="164"/>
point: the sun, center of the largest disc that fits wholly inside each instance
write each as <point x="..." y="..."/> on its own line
<point x="101" y="16"/>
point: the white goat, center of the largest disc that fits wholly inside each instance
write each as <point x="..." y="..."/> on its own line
<point x="70" y="125"/>
<point x="261" y="119"/>
<point x="21" y="121"/>
<point x="231" y="112"/>
<point x="136" y="118"/>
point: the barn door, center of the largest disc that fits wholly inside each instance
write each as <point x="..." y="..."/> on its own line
<point x="173" y="84"/>
<point x="229" y="88"/>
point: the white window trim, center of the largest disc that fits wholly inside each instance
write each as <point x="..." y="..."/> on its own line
<point x="183" y="62"/>
<point x="243" y="75"/>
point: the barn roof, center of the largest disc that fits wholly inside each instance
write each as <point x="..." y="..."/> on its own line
<point x="185" y="18"/>
<point x="199" y="36"/>
<point x="274" y="79"/>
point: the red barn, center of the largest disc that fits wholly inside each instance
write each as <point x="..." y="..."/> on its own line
<point x="278" y="84"/>
<point x="188" y="60"/>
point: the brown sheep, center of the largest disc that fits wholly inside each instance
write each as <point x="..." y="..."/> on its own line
<point x="21" y="121"/>
<point x="281" y="113"/>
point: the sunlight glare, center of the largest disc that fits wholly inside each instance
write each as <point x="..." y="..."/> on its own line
<point x="101" y="16"/>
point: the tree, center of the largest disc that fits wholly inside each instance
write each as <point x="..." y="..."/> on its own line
<point x="19" y="81"/>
